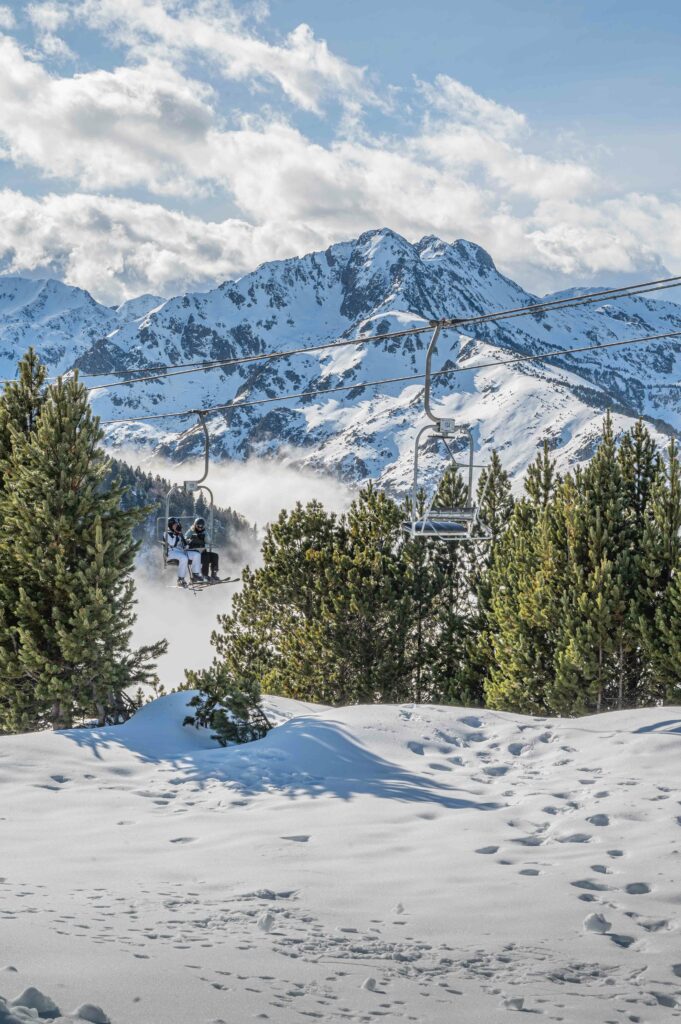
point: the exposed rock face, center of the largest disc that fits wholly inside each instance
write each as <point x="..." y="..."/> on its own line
<point x="380" y="282"/>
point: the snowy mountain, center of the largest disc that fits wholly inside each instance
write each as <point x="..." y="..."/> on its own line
<point x="377" y="283"/>
<point x="402" y="863"/>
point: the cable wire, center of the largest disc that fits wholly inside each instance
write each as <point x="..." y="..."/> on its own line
<point x="556" y="353"/>
<point x="181" y="369"/>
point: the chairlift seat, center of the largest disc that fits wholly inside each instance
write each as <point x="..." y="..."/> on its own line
<point x="462" y="514"/>
<point x="443" y="528"/>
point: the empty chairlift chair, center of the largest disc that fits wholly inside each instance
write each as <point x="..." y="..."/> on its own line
<point x="457" y="523"/>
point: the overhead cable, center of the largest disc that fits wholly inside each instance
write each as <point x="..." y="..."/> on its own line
<point x="556" y="353"/>
<point x="152" y="373"/>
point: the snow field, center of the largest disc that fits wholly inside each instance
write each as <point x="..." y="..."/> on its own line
<point x="417" y="863"/>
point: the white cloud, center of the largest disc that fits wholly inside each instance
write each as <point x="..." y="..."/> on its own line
<point x="118" y="248"/>
<point x="464" y="106"/>
<point x="7" y="20"/>
<point x="465" y="168"/>
<point x="105" y="129"/>
<point x="302" y="66"/>
<point x="47" y="18"/>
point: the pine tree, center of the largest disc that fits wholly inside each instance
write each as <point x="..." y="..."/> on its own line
<point x="494" y="497"/>
<point x="263" y="642"/>
<point x="233" y="712"/>
<point x="20" y="405"/>
<point x="659" y="604"/>
<point x="541" y="479"/>
<point x="521" y="613"/>
<point x="598" y="645"/>
<point x="419" y="590"/>
<point x="70" y="553"/>
<point x="362" y="635"/>
<point x="452" y="611"/>
<point x="496" y="504"/>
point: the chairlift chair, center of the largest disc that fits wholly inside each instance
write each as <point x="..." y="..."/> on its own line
<point x="189" y="487"/>
<point x="460" y="523"/>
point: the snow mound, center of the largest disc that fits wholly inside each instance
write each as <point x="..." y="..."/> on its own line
<point x="33" y="1005"/>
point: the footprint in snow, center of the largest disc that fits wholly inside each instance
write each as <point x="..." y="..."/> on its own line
<point x="184" y="839"/>
<point x="416" y="748"/>
<point x="471" y="721"/>
<point x="576" y="837"/>
<point x="297" y="839"/>
<point x="600" y="820"/>
<point x="637" y="888"/>
<point x="622" y="940"/>
<point x="487" y="849"/>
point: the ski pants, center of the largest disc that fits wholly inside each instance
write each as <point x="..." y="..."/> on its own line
<point x="209" y="563"/>
<point x="185" y="558"/>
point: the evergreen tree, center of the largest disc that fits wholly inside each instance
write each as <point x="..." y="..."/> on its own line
<point x="597" y="661"/>
<point x="69" y="552"/>
<point x="262" y="643"/>
<point x="233" y="712"/>
<point x="20" y="405"/>
<point x="541" y="479"/>
<point x="496" y="505"/>
<point x="362" y="635"/>
<point x="494" y="497"/>
<point x="659" y="605"/>
<point x="419" y="590"/>
<point x="521" y="613"/>
<point x="452" y="610"/>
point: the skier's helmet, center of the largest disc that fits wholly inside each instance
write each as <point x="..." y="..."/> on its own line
<point x="199" y="524"/>
<point x="172" y="522"/>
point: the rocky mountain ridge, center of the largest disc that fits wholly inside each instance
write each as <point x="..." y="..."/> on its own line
<point x="376" y="283"/>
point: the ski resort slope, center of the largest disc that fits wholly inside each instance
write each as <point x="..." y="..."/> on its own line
<point x="412" y="863"/>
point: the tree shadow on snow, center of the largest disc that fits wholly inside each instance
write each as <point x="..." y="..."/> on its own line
<point x="305" y="757"/>
<point x="662" y="726"/>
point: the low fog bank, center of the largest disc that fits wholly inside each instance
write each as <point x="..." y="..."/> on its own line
<point x="258" y="489"/>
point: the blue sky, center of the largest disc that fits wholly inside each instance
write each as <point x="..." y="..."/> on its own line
<point x="159" y="145"/>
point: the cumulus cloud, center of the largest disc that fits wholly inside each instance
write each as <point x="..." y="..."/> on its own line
<point x="463" y="166"/>
<point x="47" y="18"/>
<point x="301" y="65"/>
<point x="7" y="21"/>
<point x="135" y="125"/>
<point x="118" y="248"/>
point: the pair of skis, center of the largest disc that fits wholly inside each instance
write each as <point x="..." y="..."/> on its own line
<point x="195" y="586"/>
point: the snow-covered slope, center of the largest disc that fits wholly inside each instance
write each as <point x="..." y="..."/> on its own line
<point x="376" y="283"/>
<point x="409" y="863"/>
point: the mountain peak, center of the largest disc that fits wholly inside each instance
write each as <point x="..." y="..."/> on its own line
<point x="474" y="255"/>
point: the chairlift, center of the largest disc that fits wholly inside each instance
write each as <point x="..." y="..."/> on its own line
<point x="460" y="523"/>
<point x="188" y="487"/>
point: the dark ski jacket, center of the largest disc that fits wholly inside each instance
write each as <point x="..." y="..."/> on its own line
<point x="196" y="539"/>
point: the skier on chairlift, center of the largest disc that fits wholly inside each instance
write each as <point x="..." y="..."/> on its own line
<point x="178" y="548"/>
<point x="196" y="539"/>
